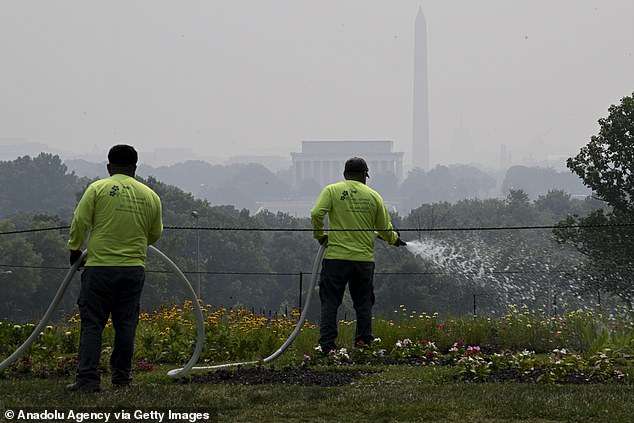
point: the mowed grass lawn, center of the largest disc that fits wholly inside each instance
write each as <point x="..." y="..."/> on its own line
<point x="438" y="383"/>
<point x="389" y="394"/>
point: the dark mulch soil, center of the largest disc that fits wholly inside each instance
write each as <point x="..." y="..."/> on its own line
<point x="509" y="375"/>
<point x="288" y="376"/>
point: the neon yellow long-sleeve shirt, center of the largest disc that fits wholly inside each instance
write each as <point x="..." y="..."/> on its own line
<point x="351" y="205"/>
<point x="123" y="216"/>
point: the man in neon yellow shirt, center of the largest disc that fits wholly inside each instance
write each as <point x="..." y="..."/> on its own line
<point x="123" y="217"/>
<point x="349" y="258"/>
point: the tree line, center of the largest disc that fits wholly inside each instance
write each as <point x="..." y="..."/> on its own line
<point x="248" y="185"/>
<point x="561" y="251"/>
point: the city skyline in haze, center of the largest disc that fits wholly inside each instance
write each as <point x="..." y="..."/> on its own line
<point x="246" y="78"/>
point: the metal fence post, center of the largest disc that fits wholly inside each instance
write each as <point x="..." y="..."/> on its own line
<point x="301" y="277"/>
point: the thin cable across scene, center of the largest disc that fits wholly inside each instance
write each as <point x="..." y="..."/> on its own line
<point x="456" y="229"/>
<point x="224" y="273"/>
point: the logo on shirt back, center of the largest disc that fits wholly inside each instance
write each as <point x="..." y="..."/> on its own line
<point x="345" y="194"/>
<point x="115" y="190"/>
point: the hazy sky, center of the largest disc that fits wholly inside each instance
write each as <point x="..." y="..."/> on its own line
<point x="239" y="77"/>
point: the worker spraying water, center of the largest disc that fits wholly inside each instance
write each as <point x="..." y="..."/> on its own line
<point x="354" y="212"/>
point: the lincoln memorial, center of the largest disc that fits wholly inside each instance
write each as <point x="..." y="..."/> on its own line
<point x="323" y="161"/>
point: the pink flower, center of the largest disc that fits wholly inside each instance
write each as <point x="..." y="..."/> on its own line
<point x="473" y="350"/>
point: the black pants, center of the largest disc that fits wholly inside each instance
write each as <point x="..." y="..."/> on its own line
<point x="108" y="292"/>
<point x="335" y="274"/>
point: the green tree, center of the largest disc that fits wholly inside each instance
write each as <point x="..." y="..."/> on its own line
<point x="606" y="238"/>
<point x="558" y="204"/>
<point x="555" y="202"/>
<point x="605" y="163"/>
<point x="20" y="274"/>
<point x="607" y="252"/>
<point x="519" y="211"/>
<point x="37" y="184"/>
<point x="50" y="245"/>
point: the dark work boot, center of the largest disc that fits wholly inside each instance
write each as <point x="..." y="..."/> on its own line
<point x="80" y="387"/>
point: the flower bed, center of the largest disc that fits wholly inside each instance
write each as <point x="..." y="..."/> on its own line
<point x="580" y="347"/>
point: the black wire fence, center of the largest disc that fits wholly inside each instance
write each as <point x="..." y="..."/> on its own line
<point x="452" y="271"/>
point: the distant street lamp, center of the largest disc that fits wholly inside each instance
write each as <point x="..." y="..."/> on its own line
<point x="195" y="216"/>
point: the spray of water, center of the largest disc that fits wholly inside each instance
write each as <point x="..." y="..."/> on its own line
<point x="451" y="257"/>
<point x="473" y="263"/>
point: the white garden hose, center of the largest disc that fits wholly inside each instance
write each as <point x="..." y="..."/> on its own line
<point x="47" y="315"/>
<point x="302" y="319"/>
<point x="200" y="320"/>
<point x="200" y="324"/>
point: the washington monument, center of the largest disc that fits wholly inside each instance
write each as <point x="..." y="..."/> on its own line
<point x="420" y="133"/>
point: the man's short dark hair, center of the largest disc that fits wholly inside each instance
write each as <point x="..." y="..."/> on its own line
<point x="123" y="155"/>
